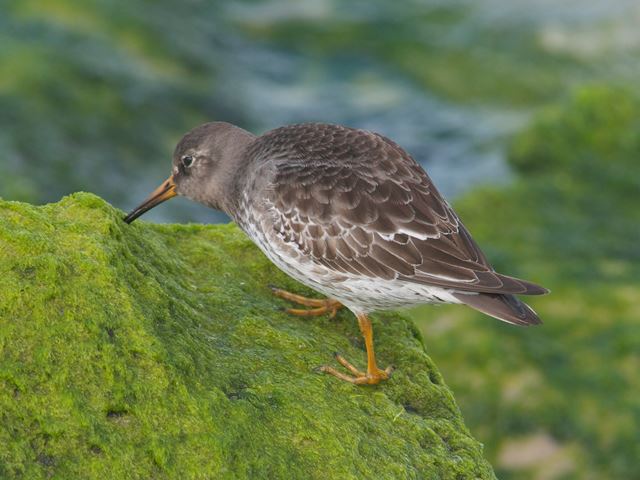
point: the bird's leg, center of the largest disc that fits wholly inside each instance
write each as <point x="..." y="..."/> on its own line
<point x="321" y="306"/>
<point x="374" y="375"/>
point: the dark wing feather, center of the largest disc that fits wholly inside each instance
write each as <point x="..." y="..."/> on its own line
<point x="358" y="204"/>
<point x="503" y="307"/>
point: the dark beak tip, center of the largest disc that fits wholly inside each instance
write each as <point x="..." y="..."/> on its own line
<point x="133" y="215"/>
<point x="162" y="193"/>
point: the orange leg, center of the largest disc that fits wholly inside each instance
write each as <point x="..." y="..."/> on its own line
<point x="374" y="375"/>
<point x="321" y="306"/>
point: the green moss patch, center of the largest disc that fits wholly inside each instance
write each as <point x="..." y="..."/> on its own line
<point x="157" y="351"/>
<point x="560" y="400"/>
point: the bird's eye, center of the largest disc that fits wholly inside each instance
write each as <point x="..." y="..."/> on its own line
<point x="187" y="161"/>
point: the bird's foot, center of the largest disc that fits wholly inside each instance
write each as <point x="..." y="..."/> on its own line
<point x="372" y="377"/>
<point x="319" y="306"/>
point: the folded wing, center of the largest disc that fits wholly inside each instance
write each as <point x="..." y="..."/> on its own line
<point x="358" y="204"/>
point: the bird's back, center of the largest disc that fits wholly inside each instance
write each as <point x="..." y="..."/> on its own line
<point x="354" y="207"/>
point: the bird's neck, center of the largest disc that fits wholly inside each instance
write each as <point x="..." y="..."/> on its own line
<point x="232" y="171"/>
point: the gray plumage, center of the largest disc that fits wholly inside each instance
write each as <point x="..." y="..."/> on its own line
<point x="349" y="213"/>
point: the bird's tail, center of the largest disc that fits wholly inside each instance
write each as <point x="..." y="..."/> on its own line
<point x="504" y="307"/>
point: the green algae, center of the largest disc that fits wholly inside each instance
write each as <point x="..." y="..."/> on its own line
<point x="157" y="351"/>
<point x="570" y="222"/>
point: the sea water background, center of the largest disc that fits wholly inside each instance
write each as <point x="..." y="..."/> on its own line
<point x="95" y="95"/>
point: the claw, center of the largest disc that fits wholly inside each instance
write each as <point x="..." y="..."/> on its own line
<point x="320" y="306"/>
<point x="358" y="378"/>
<point x="373" y="375"/>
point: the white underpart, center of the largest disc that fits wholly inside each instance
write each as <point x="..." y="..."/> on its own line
<point x="357" y="292"/>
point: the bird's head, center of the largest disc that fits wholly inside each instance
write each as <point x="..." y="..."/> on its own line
<point x="204" y="163"/>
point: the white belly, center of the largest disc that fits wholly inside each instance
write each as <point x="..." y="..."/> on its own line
<point x="358" y="293"/>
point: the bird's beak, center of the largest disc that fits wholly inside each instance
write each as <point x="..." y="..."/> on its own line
<point x="164" y="192"/>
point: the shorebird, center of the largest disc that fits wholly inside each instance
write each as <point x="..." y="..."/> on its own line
<point x="348" y="213"/>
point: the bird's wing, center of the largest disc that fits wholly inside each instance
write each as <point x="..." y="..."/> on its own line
<point x="358" y="204"/>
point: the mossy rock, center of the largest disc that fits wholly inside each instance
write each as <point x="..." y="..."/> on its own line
<point x="558" y="401"/>
<point x="157" y="351"/>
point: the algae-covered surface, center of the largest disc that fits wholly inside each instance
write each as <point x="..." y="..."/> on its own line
<point x="157" y="351"/>
<point x="561" y="401"/>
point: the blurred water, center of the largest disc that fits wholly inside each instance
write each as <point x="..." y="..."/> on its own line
<point x="460" y="146"/>
<point x="94" y="97"/>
